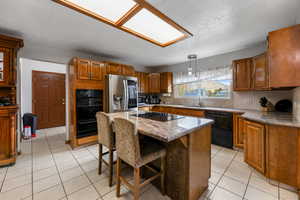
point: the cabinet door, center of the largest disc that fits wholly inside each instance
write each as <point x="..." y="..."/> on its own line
<point x="128" y="70"/>
<point x="255" y="145"/>
<point x="283" y="152"/>
<point x="97" y="71"/>
<point x="242" y="70"/>
<point x="284" y="62"/>
<point x="154" y="80"/>
<point x="114" y="68"/>
<point x="83" y="69"/>
<point x="4" y="66"/>
<point x="260" y="72"/>
<point x="238" y="131"/>
<point x="166" y="79"/>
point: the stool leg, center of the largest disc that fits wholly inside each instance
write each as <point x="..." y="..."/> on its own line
<point x="136" y="183"/>
<point x="111" y="160"/>
<point x="100" y="159"/>
<point x="163" y="174"/>
<point x="118" y="174"/>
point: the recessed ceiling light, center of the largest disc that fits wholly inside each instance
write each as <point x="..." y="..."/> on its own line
<point x="136" y="17"/>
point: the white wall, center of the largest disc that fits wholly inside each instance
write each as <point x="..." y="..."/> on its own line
<point x="26" y="66"/>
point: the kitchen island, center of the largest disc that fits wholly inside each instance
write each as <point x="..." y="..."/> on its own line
<point x="188" y="143"/>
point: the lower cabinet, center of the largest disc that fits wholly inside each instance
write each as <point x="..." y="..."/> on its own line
<point x="255" y="136"/>
<point x="238" y="131"/>
<point x="274" y="151"/>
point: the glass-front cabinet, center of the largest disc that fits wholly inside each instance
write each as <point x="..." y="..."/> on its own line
<point x="4" y="66"/>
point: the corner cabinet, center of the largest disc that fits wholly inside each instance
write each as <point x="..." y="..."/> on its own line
<point x="166" y="82"/>
<point x="260" y="72"/>
<point x="255" y="136"/>
<point x="284" y="62"/>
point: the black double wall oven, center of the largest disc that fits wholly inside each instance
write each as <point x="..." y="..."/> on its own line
<point x="88" y="103"/>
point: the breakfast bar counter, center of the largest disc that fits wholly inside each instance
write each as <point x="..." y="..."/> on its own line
<point x="188" y="143"/>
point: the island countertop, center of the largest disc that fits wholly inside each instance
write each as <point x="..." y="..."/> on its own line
<point x="164" y="131"/>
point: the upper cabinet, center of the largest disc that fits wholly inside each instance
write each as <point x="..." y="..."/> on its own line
<point x="8" y="60"/>
<point x="128" y="70"/>
<point x="90" y="70"/>
<point x="284" y="61"/>
<point x="143" y="80"/>
<point x="251" y="74"/>
<point x="260" y="72"/>
<point x="166" y="80"/>
<point x="114" y="68"/>
<point x="242" y="70"/>
<point x="154" y="83"/>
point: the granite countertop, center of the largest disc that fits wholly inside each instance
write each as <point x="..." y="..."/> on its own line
<point x="164" y="131"/>
<point x="272" y="118"/>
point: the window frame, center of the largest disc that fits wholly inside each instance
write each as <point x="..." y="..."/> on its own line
<point x="140" y="4"/>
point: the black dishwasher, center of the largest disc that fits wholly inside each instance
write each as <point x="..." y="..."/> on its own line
<point x="222" y="132"/>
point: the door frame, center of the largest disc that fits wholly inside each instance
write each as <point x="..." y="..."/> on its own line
<point x="33" y="93"/>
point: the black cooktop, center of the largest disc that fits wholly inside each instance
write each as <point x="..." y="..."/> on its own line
<point x="158" y="116"/>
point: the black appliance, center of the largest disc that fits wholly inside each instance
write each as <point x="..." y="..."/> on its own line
<point x="88" y="103"/>
<point x="222" y="131"/>
<point x="284" y="105"/>
<point x="158" y="116"/>
<point x="30" y="119"/>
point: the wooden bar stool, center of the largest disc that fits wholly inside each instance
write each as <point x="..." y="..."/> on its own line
<point x="106" y="138"/>
<point x="129" y="150"/>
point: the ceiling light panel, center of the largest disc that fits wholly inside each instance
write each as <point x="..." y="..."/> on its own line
<point x="112" y="10"/>
<point x="153" y="27"/>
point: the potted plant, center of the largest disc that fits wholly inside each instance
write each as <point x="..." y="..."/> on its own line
<point x="265" y="104"/>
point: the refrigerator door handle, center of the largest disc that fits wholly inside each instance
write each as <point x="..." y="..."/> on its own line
<point x="125" y="95"/>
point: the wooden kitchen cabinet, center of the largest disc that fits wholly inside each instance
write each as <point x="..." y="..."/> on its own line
<point x="284" y="62"/>
<point x="242" y="71"/>
<point x="90" y="70"/>
<point x="282" y="153"/>
<point x="128" y="70"/>
<point x="179" y="111"/>
<point x="260" y="72"/>
<point x="154" y="83"/>
<point x="255" y="136"/>
<point x="166" y="82"/>
<point x="143" y="80"/>
<point x="114" y="68"/>
<point x="238" y="131"/>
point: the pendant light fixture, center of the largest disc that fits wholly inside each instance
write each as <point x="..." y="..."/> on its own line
<point x="192" y="62"/>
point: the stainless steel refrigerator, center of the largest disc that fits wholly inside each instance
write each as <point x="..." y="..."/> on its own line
<point x="122" y="93"/>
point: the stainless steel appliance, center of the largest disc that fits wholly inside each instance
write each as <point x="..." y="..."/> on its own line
<point x="122" y="93"/>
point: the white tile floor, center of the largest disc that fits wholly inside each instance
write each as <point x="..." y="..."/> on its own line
<point x="49" y="169"/>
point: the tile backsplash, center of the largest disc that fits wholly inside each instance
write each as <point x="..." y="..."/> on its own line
<point x="240" y="100"/>
<point x="296" y="104"/>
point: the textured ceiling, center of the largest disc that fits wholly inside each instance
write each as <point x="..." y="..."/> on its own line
<point x="219" y="26"/>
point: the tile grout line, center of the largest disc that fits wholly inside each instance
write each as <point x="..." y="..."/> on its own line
<point x="223" y="174"/>
<point x="46" y="138"/>
<point x="86" y="173"/>
<point x="247" y="184"/>
<point x="3" y="179"/>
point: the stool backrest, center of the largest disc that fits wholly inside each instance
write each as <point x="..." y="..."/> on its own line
<point x="127" y="141"/>
<point x="105" y="133"/>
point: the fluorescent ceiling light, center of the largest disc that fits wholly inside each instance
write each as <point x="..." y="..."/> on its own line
<point x="153" y="27"/>
<point x="112" y="10"/>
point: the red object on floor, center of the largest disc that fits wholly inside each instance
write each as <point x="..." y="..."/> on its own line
<point x="33" y="135"/>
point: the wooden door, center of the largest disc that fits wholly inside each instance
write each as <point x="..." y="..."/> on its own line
<point x="83" y="69"/>
<point x="255" y="145"/>
<point x="166" y="81"/>
<point x="48" y="99"/>
<point x="242" y="70"/>
<point x="260" y="72"/>
<point x="284" y="61"/>
<point x="97" y="71"/>
<point x="154" y="80"/>
<point x="238" y="131"/>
